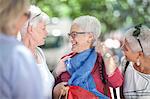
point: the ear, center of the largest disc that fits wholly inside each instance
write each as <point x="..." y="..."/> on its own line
<point x="91" y="37"/>
<point x="29" y="29"/>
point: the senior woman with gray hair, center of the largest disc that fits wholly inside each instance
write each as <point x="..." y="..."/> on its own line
<point x="85" y="67"/>
<point x="137" y="73"/>
<point x="33" y="34"/>
<point x="19" y="75"/>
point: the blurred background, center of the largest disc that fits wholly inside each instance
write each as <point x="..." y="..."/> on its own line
<point x="116" y="16"/>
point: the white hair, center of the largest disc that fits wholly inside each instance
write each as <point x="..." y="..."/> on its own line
<point x="144" y="38"/>
<point x="89" y="24"/>
<point x="36" y="16"/>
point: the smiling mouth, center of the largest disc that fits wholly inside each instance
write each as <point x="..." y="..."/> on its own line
<point x="74" y="44"/>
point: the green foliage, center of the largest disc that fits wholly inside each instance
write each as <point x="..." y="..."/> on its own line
<point x="113" y="14"/>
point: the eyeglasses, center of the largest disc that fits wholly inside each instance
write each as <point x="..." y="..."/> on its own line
<point x="136" y="34"/>
<point x="74" y="34"/>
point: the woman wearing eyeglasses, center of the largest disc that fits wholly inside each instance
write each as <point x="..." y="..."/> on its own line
<point x="85" y="67"/>
<point x="137" y="73"/>
<point x="33" y="34"/>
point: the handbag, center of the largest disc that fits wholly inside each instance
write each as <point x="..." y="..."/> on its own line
<point x="76" y="92"/>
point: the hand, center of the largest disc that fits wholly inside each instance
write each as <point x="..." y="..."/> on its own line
<point x="60" y="89"/>
<point x="129" y="54"/>
<point x="61" y="67"/>
<point x="109" y="61"/>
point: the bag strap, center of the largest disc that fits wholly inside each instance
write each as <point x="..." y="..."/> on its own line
<point x="121" y="88"/>
<point x="102" y="73"/>
<point x="126" y="65"/>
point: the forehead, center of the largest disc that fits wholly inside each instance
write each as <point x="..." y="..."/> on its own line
<point x="75" y="28"/>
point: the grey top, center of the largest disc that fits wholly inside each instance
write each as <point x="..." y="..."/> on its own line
<point x="19" y="75"/>
<point x="136" y="84"/>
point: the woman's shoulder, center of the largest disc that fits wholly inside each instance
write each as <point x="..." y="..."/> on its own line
<point x="39" y="51"/>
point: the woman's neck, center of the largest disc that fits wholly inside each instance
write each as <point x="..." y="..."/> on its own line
<point x="145" y="62"/>
<point x="31" y="45"/>
<point x="85" y="48"/>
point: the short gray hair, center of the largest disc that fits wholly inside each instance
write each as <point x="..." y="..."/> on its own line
<point x="89" y="24"/>
<point x="144" y="38"/>
<point x="36" y="16"/>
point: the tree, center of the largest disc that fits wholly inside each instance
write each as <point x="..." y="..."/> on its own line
<point x="113" y="14"/>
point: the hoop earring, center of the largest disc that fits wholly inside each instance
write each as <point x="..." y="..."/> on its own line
<point x="138" y="63"/>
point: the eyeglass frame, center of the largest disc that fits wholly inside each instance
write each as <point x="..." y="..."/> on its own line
<point x="75" y="33"/>
<point x="136" y="34"/>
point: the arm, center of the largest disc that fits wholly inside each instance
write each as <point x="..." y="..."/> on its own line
<point x="61" y="67"/>
<point x="113" y="74"/>
<point x="116" y="79"/>
<point x="59" y="89"/>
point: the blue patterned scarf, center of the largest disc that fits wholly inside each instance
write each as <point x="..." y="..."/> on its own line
<point x="80" y="67"/>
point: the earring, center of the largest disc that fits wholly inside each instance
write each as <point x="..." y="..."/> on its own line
<point x="138" y="62"/>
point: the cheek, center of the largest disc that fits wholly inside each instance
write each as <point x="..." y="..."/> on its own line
<point x="130" y="57"/>
<point x="82" y="43"/>
<point x="35" y="34"/>
<point x="38" y="32"/>
<point x="42" y="32"/>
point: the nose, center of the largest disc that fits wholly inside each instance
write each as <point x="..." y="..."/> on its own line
<point x="71" y="38"/>
<point x="46" y="32"/>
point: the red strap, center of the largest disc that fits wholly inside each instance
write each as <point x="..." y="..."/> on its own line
<point x="70" y="54"/>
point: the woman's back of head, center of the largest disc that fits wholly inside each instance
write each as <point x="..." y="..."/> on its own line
<point x="10" y="11"/>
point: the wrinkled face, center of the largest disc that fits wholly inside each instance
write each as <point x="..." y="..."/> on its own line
<point x="80" y="40"/>
<point x="130" y="55"/>
<point x="39" y="33"/>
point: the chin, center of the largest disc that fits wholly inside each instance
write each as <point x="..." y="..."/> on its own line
<point x="40" y="44"/>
